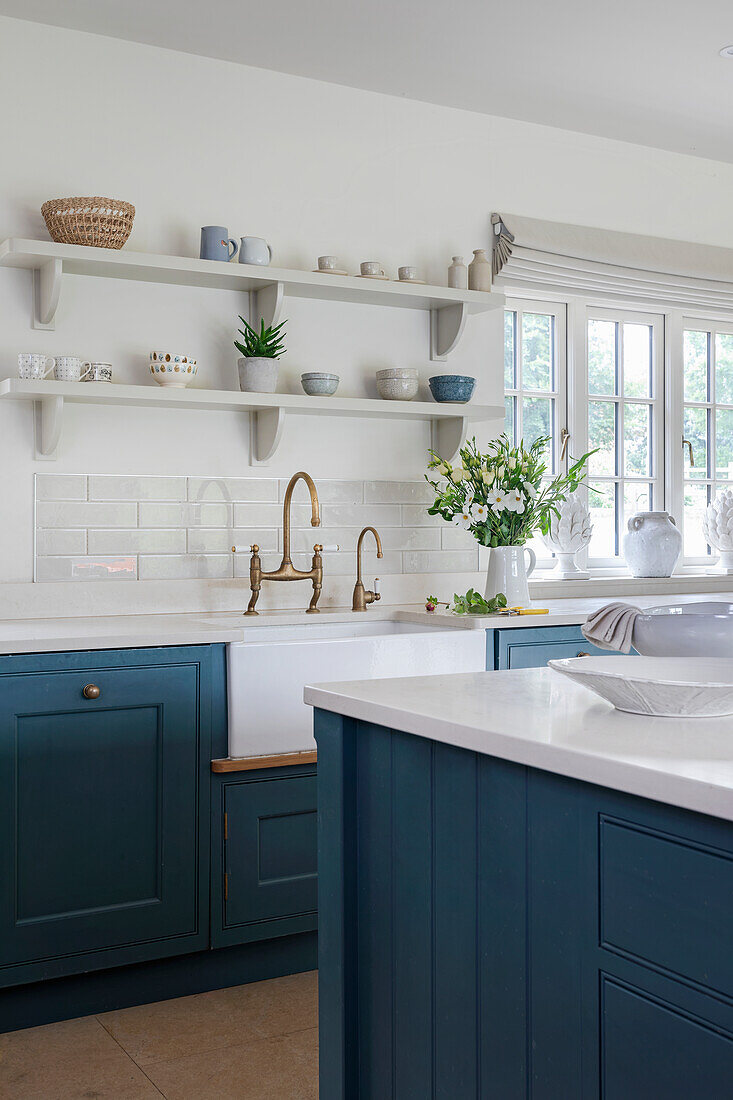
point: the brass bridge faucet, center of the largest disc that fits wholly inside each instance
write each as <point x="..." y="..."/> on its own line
<point x="361" y="598"/>
<point x="286" y="570"/>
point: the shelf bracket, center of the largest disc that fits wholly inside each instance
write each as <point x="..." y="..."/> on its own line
<point x="49" y="419"/>
<point x="46" y="292"/>
<point x="266" y="303"/>
<point x="266" y="429"/>
<point x="446" y="329"/>
<point x="448" y="435"/>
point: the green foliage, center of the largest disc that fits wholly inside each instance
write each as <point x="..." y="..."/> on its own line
<point x="473" y="603"/>
<point x="502" y="497"/>
<point x="265" y="344"/>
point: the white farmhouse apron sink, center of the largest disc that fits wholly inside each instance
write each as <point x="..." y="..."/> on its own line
<point x="269" y="670"/>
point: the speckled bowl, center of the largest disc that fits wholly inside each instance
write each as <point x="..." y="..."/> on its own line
<point x="452" y="387"/>
<point x="319" y="383"/>
<point x="397" y="383"/>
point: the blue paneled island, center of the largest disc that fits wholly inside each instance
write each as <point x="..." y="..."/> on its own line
<point x="523" y="893"/>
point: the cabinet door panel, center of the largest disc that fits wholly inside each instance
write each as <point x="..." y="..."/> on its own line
<point x="534" y="647"/>
<point x="271" y="850"/>
<point x="99" y="804"/>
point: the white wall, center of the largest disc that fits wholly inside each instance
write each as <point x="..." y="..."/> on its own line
<point x="314" y="168"/>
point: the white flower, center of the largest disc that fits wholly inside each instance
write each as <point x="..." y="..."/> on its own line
<point x="530" y="489"/>
<point x="444" y="469"/>
<point x="459" y="475"/>
<point x="487" y="477"/>
<point x="511" y="463"/>
<point x="514" y="501"/>
<point x="497" y="499"/>
<point x="479" y="513"/>
<point x="463" y="519"/>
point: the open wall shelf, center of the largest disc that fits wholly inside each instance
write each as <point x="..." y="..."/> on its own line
<point x="266" y="286"/>
<point x="267" y="411"/>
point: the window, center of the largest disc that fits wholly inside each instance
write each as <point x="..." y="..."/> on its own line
<point x="534" y="374"/>
<point x="707" y="425"/>
<point x="535" y="384"/>
<point x="624" y="424"/>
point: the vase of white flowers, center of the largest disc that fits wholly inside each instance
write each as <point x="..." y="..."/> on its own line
<point x="503" y="498"/>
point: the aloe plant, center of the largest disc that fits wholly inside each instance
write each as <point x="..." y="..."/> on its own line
<point x="265" y="344"/>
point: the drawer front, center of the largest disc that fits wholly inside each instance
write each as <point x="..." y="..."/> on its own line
<point x="271" y="856"/>
<point x="652" y="1050"/>
<point x="100" y="806"/>
<point x="533" y="648"/>
<point x="668" y="902"/>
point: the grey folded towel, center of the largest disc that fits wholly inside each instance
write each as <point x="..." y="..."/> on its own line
<point x="612" y="626"/>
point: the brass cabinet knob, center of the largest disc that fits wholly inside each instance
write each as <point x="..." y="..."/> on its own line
<point x="91" y="691"/>
<point x="582" y="653"/>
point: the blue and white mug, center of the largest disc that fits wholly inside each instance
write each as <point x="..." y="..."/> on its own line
<point x="216" y="244"/>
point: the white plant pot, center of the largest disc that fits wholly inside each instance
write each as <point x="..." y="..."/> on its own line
<point x="257" y="375"/>
<point x="508" y="573"/>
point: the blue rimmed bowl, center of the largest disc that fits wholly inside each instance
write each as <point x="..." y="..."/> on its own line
<point x="452" y="387"/>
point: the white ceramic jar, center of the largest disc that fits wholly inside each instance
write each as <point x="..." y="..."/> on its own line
<point x="652" y="544"/>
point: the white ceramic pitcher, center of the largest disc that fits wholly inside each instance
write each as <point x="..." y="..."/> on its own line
<point x="508" y="572"/>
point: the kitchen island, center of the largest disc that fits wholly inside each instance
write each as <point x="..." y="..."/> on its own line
<point x="523" y="893"/>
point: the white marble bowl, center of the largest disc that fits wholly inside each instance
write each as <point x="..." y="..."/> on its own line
<point x="700" y="629"/>
<point x="669" y="687"/>
<point x="397" y="383"/>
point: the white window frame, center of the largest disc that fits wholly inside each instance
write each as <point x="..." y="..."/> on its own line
<point x="558" y="310"/>
<point x="656" y="478"/>
<point x="712" y="326"/>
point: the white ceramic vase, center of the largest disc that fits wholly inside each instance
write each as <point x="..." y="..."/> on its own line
<point x="717" y="527"/>
<point x="570" y="531"/>
<point x="652" y="544"/>
<point x="508" y="572"/>
<point x="257" y="374"/>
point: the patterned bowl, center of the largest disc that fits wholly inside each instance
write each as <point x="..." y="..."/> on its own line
<point x="452" y="387"/>
<point x="397" y="383"/>
<point x="172" y="370"/>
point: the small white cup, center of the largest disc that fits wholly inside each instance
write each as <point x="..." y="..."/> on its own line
<point x="98" y="372"/>
<point x="371" y="267"/>
<point x="34" y="366"/>
<point x="328" y="263"/>
<point x="407" y="274"/>
<point x="68" y="368"/>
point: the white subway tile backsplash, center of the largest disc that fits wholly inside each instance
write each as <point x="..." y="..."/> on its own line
<point x="158" y="527"/>
<point x="86" y="514"/>
<point x="184" y="566"/>
<point x="162" y="541"/>
<point x="120" y="487"/>
<point x="440" y="561"/>
<point x="232" y="488"/>
<point x="216" y="540"/>
<point x="113" y="568"/>
<point x="398" y="492"/>
<point x="61" y="487"/>
<point x="329" y="492"/>
<point x="61" y="542"/>
<point x="185" y="515"/>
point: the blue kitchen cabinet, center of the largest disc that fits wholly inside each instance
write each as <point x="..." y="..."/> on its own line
<point x="104" y="808"/>
<point x="265" y="873"/>
<point x="533" y="647"/>
<point x="492" y="930"/>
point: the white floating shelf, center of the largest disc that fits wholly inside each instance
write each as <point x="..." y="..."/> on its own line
<point x="267" y="286"/>
<point x="267" y="411"/>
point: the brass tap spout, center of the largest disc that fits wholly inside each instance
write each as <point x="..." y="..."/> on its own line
<point x="286" y="571"/>
<point x="362" y="597"/>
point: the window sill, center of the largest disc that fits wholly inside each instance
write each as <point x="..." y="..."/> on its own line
<point x="622" y="584"/>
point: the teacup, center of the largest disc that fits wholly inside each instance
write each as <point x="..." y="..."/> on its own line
<point x="328" y="263"/>
<point x="371" y="267"/>
<point x="68" y="368"/>
<point x="407" y="274"/>
<point x="98" y="372"/>
<point x="34" y="366"/>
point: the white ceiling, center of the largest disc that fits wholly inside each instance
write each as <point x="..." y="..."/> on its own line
<point x="646" y="71"/>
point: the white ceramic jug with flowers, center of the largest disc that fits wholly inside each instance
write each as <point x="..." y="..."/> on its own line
<point x="501" y="498"/>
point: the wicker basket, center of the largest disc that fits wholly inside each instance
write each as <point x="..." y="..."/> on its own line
<point x="106" y="223"/>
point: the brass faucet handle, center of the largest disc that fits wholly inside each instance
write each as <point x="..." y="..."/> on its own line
<point x="326" y="549"/>
<point x="374" y="595"/>
<point x="254" y="549"/>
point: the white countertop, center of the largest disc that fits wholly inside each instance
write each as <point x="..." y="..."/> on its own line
<point x="538" y="718"/>
<point x="203" y="628"/>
